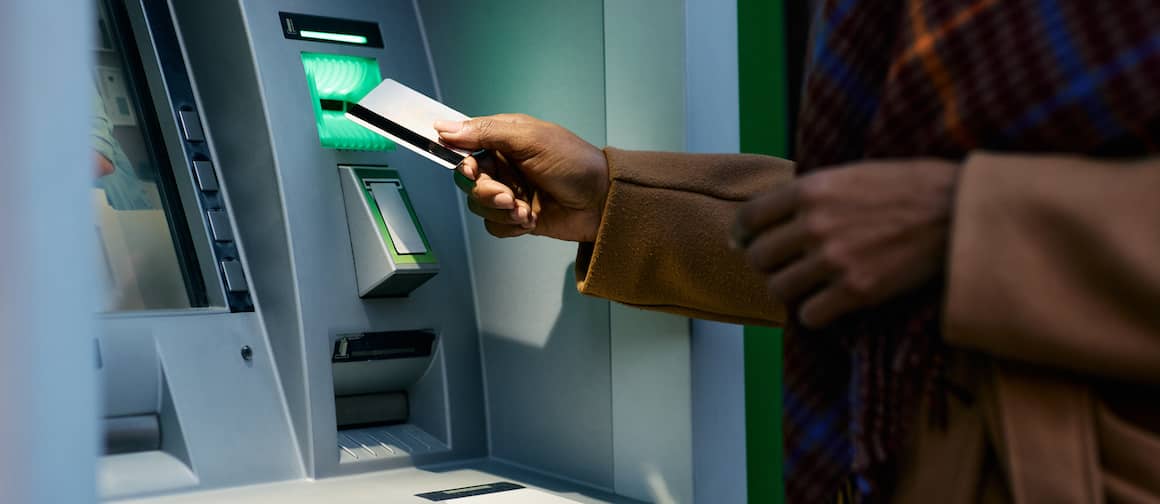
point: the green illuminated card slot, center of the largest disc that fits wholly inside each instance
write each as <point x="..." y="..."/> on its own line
<point x="336" y="80"/>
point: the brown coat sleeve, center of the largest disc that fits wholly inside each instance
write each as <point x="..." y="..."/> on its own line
<point x="1056" y="261"/>
<point x="663" y="240"/>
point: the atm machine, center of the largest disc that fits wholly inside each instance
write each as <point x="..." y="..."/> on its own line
<point x="329" y="345"/>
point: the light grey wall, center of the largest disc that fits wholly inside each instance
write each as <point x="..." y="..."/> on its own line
<point x="713" y="98"/>
<point x="644" y="44"/>
<point x="48" y="292"/>
<point x="718" y="349"/>
<point x="545" y="347"/>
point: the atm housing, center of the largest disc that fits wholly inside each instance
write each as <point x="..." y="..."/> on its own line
<point x="343" y="339"/>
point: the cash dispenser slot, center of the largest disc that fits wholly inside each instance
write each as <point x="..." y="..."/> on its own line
<point x="372" y="372"/>
<point x="132" y="433"/>
<point x="379" y="377"/>
<point x="392" y="256"/>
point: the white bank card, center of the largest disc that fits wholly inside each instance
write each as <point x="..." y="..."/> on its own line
<point x="407" y="117"/>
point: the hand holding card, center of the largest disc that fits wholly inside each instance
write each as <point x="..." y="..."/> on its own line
<point x="540" y="179"/>
<point x="534" y="165"/>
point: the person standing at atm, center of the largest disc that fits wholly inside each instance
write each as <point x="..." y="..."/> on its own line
<point x="965" y="250"/>
<point x="114" y="172"/>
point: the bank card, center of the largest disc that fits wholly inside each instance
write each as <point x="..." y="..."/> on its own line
<point x="407" y="117"/>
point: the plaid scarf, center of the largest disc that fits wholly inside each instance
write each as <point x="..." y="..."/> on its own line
<point x="940" y="78"/>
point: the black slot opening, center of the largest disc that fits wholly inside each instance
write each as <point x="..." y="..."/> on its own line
<point x="332" y="105"/>
<point x="383" y="345"/>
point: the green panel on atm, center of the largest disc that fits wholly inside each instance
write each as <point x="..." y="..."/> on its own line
<point x="392" y="254"/>
<point x="368" y="176"/>
<point x="336" y="80"/>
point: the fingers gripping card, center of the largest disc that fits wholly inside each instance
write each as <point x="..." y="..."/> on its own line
<point x="408" y="117"/>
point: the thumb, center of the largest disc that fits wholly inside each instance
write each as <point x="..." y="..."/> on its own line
<point x="491" y="132"/>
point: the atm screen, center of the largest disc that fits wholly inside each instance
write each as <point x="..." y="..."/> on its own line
<point x="145" y="246"/>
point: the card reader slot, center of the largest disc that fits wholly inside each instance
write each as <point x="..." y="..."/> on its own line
<point x="332" y="105"/>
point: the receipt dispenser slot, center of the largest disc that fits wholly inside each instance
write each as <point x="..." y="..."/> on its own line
<point x="392" y="256"/>
<point x="401" y="227"/>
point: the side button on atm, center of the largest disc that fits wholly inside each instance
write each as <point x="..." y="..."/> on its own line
<point x="219" y="226"/>
<point x="235" y="278"/>
<point x="206" y="180"/>
<point x="191" y="126"/>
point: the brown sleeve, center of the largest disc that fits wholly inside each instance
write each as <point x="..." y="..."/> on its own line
<point x="1056" y="261"/>
<point x="663" y="242"/>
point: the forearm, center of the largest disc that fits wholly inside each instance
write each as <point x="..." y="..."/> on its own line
<point x="1054" y="260"/>
<point x="663" y="238"/>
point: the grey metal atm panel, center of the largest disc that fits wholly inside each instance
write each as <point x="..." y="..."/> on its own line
<point x="221" y="419"/>
<point x="552" y="349"/>
<point x="290" y="214"/>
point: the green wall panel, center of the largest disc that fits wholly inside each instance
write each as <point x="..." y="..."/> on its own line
<point x="761" y="63"/>
<point x="763" y="118"/>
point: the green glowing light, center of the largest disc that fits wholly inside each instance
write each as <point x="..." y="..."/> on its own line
<point x="343" y="79"/>
<point x="333" y="37"/>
